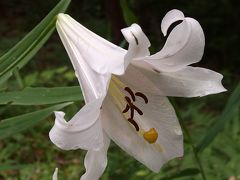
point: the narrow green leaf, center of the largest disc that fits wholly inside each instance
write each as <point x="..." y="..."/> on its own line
<point x="11" y="126"/>
<point x="227" y="114"/>
<point x="39" y="96"/>
<point x="24" y="50"/>
<point x="5" y="167"/>
<point x="128" y="14"/>
<point x="183" y="173"/>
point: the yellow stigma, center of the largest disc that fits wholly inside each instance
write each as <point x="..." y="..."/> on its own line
<point x="151" y="136"/>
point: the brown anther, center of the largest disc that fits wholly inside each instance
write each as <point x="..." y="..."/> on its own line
<point x="126" y="109"/>
<point x="130" y="92"/>
<point x="157" y="71"/>
<point x="134" y="124"/>
<point x="142" y="96"/>
<point x="128" y="100"/>
<point x="130" y="106"/>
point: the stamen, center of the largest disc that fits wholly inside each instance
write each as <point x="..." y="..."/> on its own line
<point x="134" y="124"/>
<point x="128" y="100"/>
<point x="151" y="136"/>
<point x="157" y="71"/>
<point x="118" y="99"/>
<point x="126" y="108"/>
<point x="131" y="113"/>
<point x="130" y="92"/>
<point x="132" y="106"/>
<point x="142" y="96"/>
<point x="137" y="109"/>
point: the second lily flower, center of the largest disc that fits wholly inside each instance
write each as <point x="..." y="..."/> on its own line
<point x="125" y="92"/>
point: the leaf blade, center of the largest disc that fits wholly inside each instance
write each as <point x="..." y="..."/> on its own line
<point x="25" y="49"/>
<point x="13" y="125"/>
<point x="183" y="173"/>
<point x="227" y="114"/>
<point x="40" y="96"/>
<point x="5" y="167"/>
<point x="128" y="15"/>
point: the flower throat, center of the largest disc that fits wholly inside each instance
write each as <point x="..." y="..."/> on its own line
<point x="127" y="101"/>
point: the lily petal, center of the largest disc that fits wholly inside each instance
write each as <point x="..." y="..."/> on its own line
<point x="85" y="125"/>
<point x="83" y="131"/>
<point x="95" y="161"/>
<point x="138" y="43"/>
<point x="55" y="174"/>
<point x="93" y="85"/>
<point x="170" y="18"/>
<point x="130" y="107"/>
<point x="158" y="113"/>
<point x="134" y="77"/>
<point x="184" y="46"/>
<point x="101" y="55"/>
<point x="187" y="82"/>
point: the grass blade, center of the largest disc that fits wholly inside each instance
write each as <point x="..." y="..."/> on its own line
<point x="40" y="96"/>
<point x="11" y="126"/>
<point x="6" y="167"/>
<point x="24" y="50"/>
<point x="128" y="14"/>
<point x="227" y="114"/>
<point x="183" y="173"/>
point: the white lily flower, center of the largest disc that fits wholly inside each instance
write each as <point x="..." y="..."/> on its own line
<point x="125" y="92"/>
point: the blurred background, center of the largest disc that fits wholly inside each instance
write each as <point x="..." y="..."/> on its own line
<point x="31" y="155"/>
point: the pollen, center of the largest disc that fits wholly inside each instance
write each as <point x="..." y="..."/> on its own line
<point x="151" y="136"/>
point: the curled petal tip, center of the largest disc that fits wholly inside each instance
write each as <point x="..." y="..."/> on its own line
<point x="60" y="16"/>
<point x="135" y="33"/>
<point x="59" y="116"/>
<point x="138" y="43"/>
<point x="218" y="89"/>
<point x="184" y="45"/>
<point x="224" y="89"/>
<point x="59" y="113"/>
<point x="54" y="177"/>
<point x="83" y="131"/>
<point x="171" y="17"/>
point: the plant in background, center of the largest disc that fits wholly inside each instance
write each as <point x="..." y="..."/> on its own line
<point x="10" y="64"/>
<point x="126" y="91"/>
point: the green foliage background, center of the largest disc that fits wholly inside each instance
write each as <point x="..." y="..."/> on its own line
<point x="211" y="124"/>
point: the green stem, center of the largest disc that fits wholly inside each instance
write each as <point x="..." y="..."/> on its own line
<point x="186" y="132"/>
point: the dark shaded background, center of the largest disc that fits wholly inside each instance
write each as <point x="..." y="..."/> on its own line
<point x="219" y="19"/>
